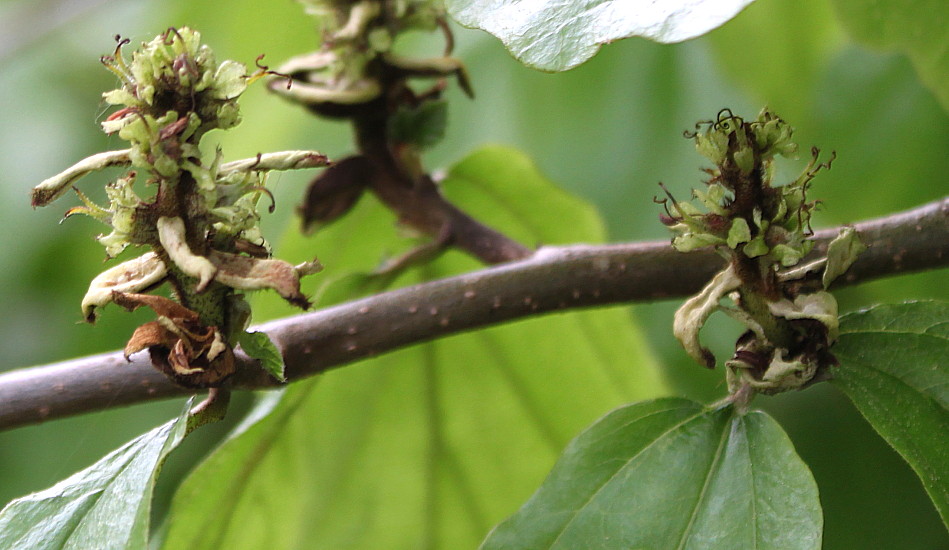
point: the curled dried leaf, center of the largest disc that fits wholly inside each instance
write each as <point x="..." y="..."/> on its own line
<point x="191" y="353"/>
<point x="163" y="307"/>
<point x="148" y="335"/>
<point x="193" y="371"/>
<point x="245" y="273"/>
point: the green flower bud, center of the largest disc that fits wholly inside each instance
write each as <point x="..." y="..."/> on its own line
<point x="175" y="72"/>
<point x="712" y="145"/>
<point x="786" y="255"/>
<point x="738" y="233"/>
<point x="693" y="241"/>
<point x="744" y="158"/>
<point x="756" y="247"/>
<point x="773" y="136"/>
<point x="712" y="198"/>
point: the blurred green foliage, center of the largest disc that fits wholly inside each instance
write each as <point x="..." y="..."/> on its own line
<point x="430" y="446"/>
<point x="607" y="131"/>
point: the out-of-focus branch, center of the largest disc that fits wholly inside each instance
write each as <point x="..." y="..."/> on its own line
<point x="552" y="279"/>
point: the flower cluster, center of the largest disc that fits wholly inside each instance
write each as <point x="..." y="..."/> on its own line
<point x="358" y="75"/>
<point x="201" y="223"/>
<point x="764" y="233"/>
<point x="357" y="63"/>
<point x="743" y="211"/>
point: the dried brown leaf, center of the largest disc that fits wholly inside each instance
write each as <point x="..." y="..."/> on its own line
<point x="162" y="306"/>
<point x="148" y="335"/>
<point x="335" y="191"/>
<point x="211" y="374"/>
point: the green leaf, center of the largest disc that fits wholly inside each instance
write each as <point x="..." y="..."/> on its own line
<point x="917" y="29"/>
<point x="259" y="346"/>
<point x="553" y="35"/>
<point x="893" y="367"/>
<point x="671" y="473"/>
<point x="430" y="446"/>
<point x="107" y="505"/>
<point x="423" y="126"/>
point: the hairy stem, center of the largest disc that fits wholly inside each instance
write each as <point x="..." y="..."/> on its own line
<point x="552" y="279"/>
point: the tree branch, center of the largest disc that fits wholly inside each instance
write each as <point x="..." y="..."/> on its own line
<point x="552" y="279"/>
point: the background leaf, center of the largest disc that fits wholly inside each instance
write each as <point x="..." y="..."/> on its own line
<point x="555" y="36"/>
<point x="919" y="28"/>
<point x="893" y="367"/>
<point x="671" y="473"/>
<point x="430" y="446"/>
<point x="107" y="505"/>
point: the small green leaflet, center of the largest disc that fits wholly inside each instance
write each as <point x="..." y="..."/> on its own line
<point x="107" y="505"/>
<point x="672" y="473"/>
<point x="894" y="366"/>
<point x="553" y="35"/>
<point x="423" y="126"/>
<point x="259" y="346"/>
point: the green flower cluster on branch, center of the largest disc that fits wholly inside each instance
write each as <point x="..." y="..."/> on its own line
<point x="768" y="221"/>
<point x="358" y="75"/>
<point x="201" y="222"/>
<point x="763" y="231"/>
<point x="357" y="63"/>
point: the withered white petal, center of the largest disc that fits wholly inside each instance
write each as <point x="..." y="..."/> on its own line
<point x="358" y="92"/>
<point x="131" y="276"/>
<point x="790" y="374"/>
<point x="696" y="310"/>
<point x="842" y="252"/>
<point x="439" y="65"/>
<point x="283" y="160"/>
<point x="51" y="188"/>
<point x="217" y="346"/>
<point x="171" y="233"/>
<point x="359" y="17"/>
<point x="308" y="268"/>
<point x="780" y="375"/>
<point x="820" y="306"/>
